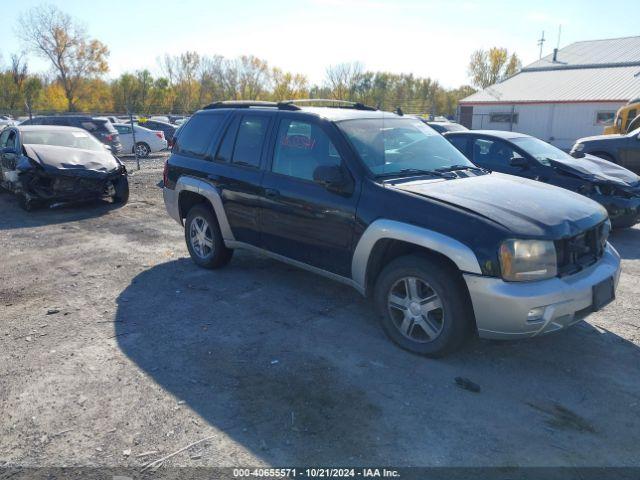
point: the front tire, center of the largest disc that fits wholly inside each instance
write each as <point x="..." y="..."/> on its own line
<point x="121" y="187"/>
<point x="28" y="204"/>
<point x="424" y="305"/>
<point x="204" y="239"/>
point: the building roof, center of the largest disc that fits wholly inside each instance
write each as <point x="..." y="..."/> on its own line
<point x="593" y="53"/>
<point x="590" y="71"/>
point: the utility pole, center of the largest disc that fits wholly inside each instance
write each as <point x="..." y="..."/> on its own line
<point x="541" y="41"/>
<point x="133" y="134"/>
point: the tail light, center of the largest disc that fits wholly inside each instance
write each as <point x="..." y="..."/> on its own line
<point x="165" y="173"/>
<point x="108" y="137"/>
<point x="160" y="135"/>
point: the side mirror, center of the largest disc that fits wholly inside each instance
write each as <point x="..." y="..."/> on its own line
<point x="519" y="162"/>
<point x="333" y="178"/>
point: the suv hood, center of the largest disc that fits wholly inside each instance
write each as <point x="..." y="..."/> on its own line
<point x="525" y="207"/>
<point x="595" y="169"/>
<point x="599" y="138"/>
<point x="75" y="161"/>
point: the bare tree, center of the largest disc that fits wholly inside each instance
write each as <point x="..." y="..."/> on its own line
<point x="253" y="77"/>
<point x="54" y="35"/>
<point x="18" y="72"/>
<point x="342" y="79"/>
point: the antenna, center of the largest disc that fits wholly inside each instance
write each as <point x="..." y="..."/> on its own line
<point x="559" y="35"/>
<point x="540" y="43"/>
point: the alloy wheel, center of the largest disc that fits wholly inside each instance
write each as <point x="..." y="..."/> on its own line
<point x="201" y="237"/>
<point x="416" y="309"/>
<point x="142" y="150"/>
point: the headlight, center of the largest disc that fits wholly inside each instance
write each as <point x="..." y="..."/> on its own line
<point x="527" y="260"/>
<point x="604" y="233"/>
<point x="579" y="147"/>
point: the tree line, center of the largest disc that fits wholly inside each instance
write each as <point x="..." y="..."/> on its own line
<point x="186" y="82"/>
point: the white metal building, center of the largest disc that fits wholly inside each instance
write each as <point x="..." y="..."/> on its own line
<point x="572" y="93"/>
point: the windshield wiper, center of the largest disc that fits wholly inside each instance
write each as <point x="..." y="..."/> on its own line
<point x="413" y="171"/>
<point x="454" y="168"/>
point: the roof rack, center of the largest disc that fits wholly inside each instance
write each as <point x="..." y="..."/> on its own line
<point x="342" y="103"/>
<point x="287" y="104"/>
<point x="249" y="104"/>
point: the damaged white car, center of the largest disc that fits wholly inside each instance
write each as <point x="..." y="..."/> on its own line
<point x="49" y="164"/>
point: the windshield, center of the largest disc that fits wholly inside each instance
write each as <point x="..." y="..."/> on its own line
<point x="62" y="138"/>
<point x="394" y="145"/>
<point x="635" y="132"/>
<point x="542" y="151"/>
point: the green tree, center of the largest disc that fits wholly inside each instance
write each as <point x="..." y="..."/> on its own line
<point x="487" y="67"/>
<point x="32" y="91"/>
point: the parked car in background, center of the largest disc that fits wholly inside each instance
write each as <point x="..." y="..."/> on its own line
<point x="159" y="118"/>
<point x="614" y="187"/>
<point x="6" y="121"/>
<point x="443" y="127"/>
<point x="167" y="128"/>
<point x="621" y="149"/>
<point x="175" y="118"/>
<point x="386" y="205"/>
<point x="101" y="128"/>
<point x="47" y="164"/>
<point x="147" y="141"/>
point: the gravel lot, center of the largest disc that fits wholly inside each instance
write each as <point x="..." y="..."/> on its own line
<point x="114" y="344"/>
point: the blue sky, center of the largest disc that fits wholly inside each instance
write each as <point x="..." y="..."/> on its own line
<point x="425" y="37"/>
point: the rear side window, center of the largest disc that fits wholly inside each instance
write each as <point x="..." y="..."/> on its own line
<point x="249" y="141"/>
<point x="226" y="146"/>
<point x="197" y="135"/>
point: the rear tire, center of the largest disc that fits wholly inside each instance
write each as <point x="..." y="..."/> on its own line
<point x="142" y="150"/>
<point x="121" y="186"/>
<point x="204" y="239"/>
<point x="424" y="305"/>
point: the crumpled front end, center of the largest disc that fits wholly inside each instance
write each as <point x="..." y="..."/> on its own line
<point x="622" y="204"/>
<point x="60" y="187"/>
<point x="41" y="177"/>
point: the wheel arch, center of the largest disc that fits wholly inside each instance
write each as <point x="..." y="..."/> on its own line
<point x="192" y="191"/>
<point x="385" y="240"/>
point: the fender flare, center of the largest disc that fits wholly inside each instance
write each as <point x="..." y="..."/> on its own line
<point x="212" y="194"/>
<point x="457" y="252"/>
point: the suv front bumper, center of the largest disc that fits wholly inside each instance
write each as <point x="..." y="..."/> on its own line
<point x="501" y="308"/>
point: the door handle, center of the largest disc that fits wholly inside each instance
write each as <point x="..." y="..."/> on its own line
<point x="271" y="193"/>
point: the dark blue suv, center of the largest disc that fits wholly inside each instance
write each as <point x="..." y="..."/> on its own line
<point x="383" y="203"/>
